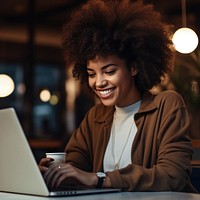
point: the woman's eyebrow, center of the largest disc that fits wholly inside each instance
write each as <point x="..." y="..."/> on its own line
<point x="105" y="66"/>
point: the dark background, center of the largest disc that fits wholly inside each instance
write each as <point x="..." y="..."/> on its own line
<point x="30" y="52"/>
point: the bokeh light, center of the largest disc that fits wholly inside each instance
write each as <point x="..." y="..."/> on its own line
<point x="45" y="95"/>
<point x="7" y="85"/>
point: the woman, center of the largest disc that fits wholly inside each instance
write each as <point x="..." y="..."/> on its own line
<point x="131" y="140"/>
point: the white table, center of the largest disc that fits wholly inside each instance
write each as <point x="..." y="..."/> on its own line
<point x="110" y="196"/>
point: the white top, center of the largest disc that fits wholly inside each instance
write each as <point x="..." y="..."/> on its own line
<point x="118" y="151"/>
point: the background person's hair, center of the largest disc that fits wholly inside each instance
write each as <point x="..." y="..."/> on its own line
<point x="132" y="31"/>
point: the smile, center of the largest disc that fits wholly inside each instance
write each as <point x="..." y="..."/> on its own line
<point x="105" y="93"/>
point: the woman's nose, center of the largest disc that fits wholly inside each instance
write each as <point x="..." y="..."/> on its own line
<point x="101" y="81"/>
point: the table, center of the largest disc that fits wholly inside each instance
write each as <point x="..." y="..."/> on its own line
<point x="110" y="196"/>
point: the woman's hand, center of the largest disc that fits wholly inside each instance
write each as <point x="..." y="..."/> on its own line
<point x="58" y="174"/>
<point x="44" y="164"/>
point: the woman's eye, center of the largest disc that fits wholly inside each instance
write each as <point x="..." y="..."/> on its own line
<point x="91" y="75"/>
<point x="110" y="72"/>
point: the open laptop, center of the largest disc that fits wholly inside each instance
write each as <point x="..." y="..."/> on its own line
<point x="19" y="172"/>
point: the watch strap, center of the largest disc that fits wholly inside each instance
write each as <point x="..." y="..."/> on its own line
<point x="100" y="182"/>
<point x="101" y="177"/>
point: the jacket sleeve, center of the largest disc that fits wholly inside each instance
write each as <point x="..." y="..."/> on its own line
<point x="171" y="167"/>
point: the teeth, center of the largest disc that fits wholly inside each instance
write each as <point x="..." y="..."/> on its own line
<point x="105" y="92"/>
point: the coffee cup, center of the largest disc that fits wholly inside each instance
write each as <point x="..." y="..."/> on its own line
<point x="58" y="157"/>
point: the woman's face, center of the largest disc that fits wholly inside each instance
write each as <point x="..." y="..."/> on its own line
<point x="111" y="80"/>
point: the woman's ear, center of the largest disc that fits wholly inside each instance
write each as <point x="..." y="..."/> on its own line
<point x="134" y="71"/>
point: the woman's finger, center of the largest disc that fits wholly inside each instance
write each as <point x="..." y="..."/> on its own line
<point x="45" y="161"/>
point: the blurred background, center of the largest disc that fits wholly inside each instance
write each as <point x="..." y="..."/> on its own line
<point x="48" y="102"/>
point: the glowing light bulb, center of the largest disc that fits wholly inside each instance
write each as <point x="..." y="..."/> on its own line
<point x="7" y="85"/>
<point x="185" y="40"/>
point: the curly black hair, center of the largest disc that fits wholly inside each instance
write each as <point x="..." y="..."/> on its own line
<point x="131" y="30"/>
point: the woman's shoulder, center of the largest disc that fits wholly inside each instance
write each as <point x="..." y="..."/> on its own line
<point x="170" y="97"/>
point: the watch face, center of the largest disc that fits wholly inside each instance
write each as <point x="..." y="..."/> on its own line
<point x="101" y="174"/>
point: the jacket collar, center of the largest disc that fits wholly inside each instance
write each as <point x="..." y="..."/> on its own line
<point x="147" y="105"/>
<point x="106" y="115"/>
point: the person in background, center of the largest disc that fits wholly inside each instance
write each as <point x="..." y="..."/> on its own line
<point x="132" y="139"/>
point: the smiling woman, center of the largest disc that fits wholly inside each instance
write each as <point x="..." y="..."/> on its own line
<point x="131" y="139"/>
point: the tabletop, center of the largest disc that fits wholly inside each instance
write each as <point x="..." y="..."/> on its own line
<point x="109" y="196"/>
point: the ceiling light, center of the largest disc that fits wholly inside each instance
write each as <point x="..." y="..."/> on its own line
<point x="185" y="39"/>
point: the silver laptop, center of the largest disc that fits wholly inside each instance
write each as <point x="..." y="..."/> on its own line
<point x="19" y="172"/>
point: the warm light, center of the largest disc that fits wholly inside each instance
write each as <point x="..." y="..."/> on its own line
<point x="54" y="100"/>
<point x="21" y="88"/>
<point x="185" y="40"/>
<point x="45" y="95"/>
<point x="6" y="85"/>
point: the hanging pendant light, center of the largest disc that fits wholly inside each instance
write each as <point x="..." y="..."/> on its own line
<point x="185" y="39"/>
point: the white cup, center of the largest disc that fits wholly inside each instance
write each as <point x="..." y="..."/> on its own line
<point x="59" y="157"/>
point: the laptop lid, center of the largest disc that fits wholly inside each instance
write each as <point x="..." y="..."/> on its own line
<point x="19" y="172"/>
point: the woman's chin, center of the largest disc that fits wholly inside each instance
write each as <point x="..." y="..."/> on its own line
<point x="107" y="102"/>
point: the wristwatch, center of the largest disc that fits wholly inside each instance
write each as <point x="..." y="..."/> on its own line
<point x="101" y="177"/>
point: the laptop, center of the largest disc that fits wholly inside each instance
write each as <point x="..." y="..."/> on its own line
<point x="19" y="172"/>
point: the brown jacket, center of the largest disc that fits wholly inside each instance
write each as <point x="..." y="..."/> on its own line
<point x="161" y="151"/>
